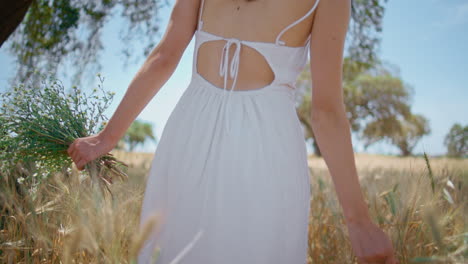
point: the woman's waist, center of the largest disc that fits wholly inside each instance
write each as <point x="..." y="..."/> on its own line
<point x="199" y="82"/>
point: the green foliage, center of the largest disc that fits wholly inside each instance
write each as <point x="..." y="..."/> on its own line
<point x="402" y="132"/>
<point x="376" y="96"/>
<point x="56" y="30"/>
<point x="41" y="120"/>
<point x="138" y="133"/>
<point x="364" y="31"/>
<point x="378" y="106"/>
<point x="456" y="141"/>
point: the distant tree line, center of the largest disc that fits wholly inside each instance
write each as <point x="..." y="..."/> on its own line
<point x="378" y="105"/>
<point x="43" y="34"/>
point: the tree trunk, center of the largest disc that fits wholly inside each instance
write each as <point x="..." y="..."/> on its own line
<point x="309" y="133"/>
<point x="405" y="152"/>
<point x="131" y="146"/>
<point x="405" y="149"/>
<point x="11" y="15"/>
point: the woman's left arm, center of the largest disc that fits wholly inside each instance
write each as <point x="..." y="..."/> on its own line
<point x="332" y="130"/>
<point x="151" y="76"/>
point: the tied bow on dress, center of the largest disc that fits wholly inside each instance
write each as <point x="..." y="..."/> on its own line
<point x="233" y="69"/>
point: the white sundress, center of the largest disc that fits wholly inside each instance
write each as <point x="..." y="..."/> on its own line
<point x="229" y="179"/>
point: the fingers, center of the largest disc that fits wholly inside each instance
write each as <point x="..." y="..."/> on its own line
<point x="80" y="164"/>
<point x="71" y="149"/>
<point x="371" y="259"/>
<point x="381" y="260"/>
<point x="72" y="152"/>
<point x="77" y="158"/>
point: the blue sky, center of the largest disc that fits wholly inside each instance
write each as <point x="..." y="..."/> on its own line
<point x="427" y="40"/>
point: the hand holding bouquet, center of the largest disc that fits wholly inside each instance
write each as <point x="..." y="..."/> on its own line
<point x="42" y="122"/>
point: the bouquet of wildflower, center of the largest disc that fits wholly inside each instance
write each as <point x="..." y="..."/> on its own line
<point x="40" y="120"/>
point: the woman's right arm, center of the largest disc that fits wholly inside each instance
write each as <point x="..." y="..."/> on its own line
<point x="157" y="68"/>
<point x="332" y="130"/>
<point x="151" y="76"/>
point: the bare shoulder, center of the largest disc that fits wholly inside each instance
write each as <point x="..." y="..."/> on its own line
<point x="329" y="28"/>
<point x="332" y="14"/>
<point x="180" y="27"/>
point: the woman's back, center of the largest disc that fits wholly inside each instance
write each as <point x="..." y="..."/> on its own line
<point x="280" y="23"/>
<point x="229" y="182"/>
<point x="230" y="174"/>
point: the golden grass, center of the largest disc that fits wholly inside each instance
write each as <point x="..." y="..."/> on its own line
<point x="70" y="222"/>
<point x="427" y="225"/>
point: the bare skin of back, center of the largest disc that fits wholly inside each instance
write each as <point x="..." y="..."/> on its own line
<point x="262" y="20"/>
<point x="259" y="20"/>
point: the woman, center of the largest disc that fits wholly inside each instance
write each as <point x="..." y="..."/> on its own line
<point x="229" y="180"/>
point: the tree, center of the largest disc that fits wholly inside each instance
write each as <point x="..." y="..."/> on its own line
<point x="456" y="141"/>
<point x="138" y="133"/>
<point x="377" y="105"/>
<point x="48" y="32"/>
<point x="303" y="113"/>
<point x="376" y="97"/>
<point x="411" y="130"/>
<point x="379" y="109"/>
<point x="364" y="31"/>
<point x="403" y="133"/>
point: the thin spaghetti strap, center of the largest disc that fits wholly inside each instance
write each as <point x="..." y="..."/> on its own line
<point x="278" y="41"/>
<point x="200" y="22"/>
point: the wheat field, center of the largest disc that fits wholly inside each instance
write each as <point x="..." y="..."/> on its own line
<point x="418" y="202"/>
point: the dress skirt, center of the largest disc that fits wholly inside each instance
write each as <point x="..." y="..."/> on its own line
<point x="229" y="185"/>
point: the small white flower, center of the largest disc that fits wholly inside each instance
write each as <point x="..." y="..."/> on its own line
<point x="20" y="180"/>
